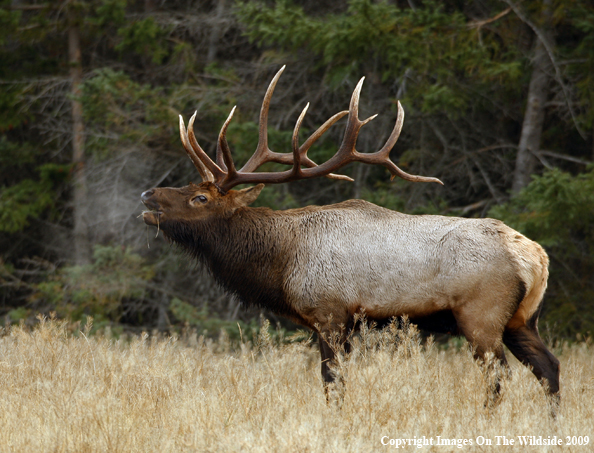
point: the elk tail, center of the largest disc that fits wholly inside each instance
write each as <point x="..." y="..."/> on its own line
<point x="533" y="265"/>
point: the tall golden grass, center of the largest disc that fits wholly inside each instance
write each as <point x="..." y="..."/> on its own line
<point x="64" y="391"/>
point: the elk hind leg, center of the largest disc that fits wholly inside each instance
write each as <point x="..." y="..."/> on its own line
<point x="487" y="347"/>
<point x="495" y="368"/>
<point x="525" y="343"/>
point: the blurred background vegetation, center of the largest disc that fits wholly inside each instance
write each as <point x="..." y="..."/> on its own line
<point x="499" y="101"/>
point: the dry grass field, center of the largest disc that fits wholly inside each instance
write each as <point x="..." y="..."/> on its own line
<point x="63" y="391"/>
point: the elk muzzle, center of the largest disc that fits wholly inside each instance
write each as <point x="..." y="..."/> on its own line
<point x="150" y="217"/>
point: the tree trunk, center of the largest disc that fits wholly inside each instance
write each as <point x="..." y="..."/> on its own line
<point x="215" y="34"/>
<point x="82" y="252"/>
<point x="538" y="91"/>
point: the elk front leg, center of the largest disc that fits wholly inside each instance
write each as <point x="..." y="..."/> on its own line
<point x="332" y="341"/>
<point x="327" y="355"/>
<point x="525" y="343"/>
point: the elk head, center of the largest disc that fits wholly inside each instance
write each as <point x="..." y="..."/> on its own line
<point x="214" y="194"/>
<point x="194" y="202"/>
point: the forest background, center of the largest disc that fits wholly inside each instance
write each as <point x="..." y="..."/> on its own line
<point x="498" y="98"/>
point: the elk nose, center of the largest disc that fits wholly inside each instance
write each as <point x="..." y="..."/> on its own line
<point x="147" y="194"/>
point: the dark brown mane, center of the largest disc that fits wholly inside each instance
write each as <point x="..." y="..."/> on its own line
<point x="250" y="273"/>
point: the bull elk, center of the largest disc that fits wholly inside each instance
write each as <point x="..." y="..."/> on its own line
<point x="321" y="266"/>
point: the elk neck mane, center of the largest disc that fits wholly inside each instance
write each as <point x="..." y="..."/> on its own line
<point x="246" y="253"/>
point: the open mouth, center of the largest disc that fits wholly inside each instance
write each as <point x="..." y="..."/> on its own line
<point x="151" y="217"/>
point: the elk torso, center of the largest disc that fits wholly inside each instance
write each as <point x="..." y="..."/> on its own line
<point x="357" y="256"/>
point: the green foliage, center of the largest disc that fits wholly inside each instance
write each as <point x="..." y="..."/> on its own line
<point x="116" y="280"/>
<point x="223" y="75"/>
<point x="186" y="312"/>
<point x="383" y="194"/>
<point x="18" y="313"/>
<point x="10" y="115"/>
<point x="29" y="198"/>
<point x="9" y="21"/>
<point x="119" y="107"/>
<point x="208" y="323"/>
<point x="557" y="210"/>
<point x="144" y="37"/>
<point x="435" y="45"/>
<point x="98" y="289"/>
<point x="275" y="197"/>
<point x="387" y="195"/>
<point x="15" y="155"/>
<point x="263" y="23"/>
<point x="440" y="98"/>
<point x="109" y="13"/>
<point x="22" y="201"/>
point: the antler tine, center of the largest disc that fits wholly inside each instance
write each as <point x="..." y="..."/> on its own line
<point x="314" y="137"/>
<point x="223" y="151"/>
<point x="354" y="124"/>
<point x="321" y="130"/>
<point x="295" y="143"/>
<point x="347" y="152"/>
<point x="382" y="157"/>
<point x="216" y="171"/>
<point x="205" y="174"/>
<point x="263" y="153"/>
<point x="300" y="152"/>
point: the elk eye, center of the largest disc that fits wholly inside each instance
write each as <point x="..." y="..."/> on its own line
<point x="201" y="199"/>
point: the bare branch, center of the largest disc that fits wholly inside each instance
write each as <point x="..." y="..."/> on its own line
<point x="480" y="23"/>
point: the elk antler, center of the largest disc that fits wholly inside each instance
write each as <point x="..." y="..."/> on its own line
<point x="225" y="176"/>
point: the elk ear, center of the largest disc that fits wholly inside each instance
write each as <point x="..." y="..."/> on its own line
<point x="247" y="196"/>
